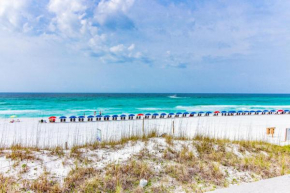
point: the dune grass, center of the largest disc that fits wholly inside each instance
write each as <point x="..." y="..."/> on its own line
<point x="169" y="164"/>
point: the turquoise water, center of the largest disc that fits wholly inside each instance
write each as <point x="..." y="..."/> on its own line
<point x="43" y="105"/>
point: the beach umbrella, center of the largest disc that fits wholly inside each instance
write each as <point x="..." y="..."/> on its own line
<point x="179" y="113"/>
<point x="62" y="117"/>
<point x="246" y="111"/>
<point x="81" y="117"/>
<point x="171" y="114"/>
<point x="216" y="112"/>
<point x="52" y="118"/>
<point x="286" y="110"/>
<point x="272" y="111"/>
<point x="115" y="115"/>
<point x="72" y="117"/>
<point x="258" y="111"/>
<point x="140" y="114"/>
<point x="232" y="111"/>
<point x="107" y="116"/>
<point x="252" y="111"/>
<point x="99" y="116"/>
<point x="90" y="116"/>
<point x="185" y="113"/>
<point x="163" y="113"/>
<point x="224" y="111"/>
<point x="280" y="111"/>
<point x="265" y="111"/>
<point x="131" y="115"/>
<point x="208" y="112"/>
<point x="123" y="116"/>
<point x="201" y="112"/>
<point x="155" y="114"/>
<point x="240" y="111"/>
<point x="148" y="114"/>
<point x="192" y="113"/>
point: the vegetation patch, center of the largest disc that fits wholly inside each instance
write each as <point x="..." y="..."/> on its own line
<point x="167" y="164"/>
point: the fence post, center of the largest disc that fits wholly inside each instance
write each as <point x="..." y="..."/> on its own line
<point x="143" y="127"/>
<point x="173" y="127"/>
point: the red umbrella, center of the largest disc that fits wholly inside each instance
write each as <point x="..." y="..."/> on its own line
<point x="53" y="117"/>
<point x="216" y="112"/>
<point x="280" y="110"/>
<point x="140" y="114"/>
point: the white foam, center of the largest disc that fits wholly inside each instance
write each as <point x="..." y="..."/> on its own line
<point x="2" y="112"/>
<point x="176" y="97"/>
<point x="150" y="109"/>
<point x="230" y="107"/>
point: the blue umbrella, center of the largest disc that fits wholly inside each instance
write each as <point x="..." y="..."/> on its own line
<point x="81" y="117"/>
<point x="163" y="113"/>
<point x="224" y="111"/>
<point x="179" y="113"/>
<point x="208" y="112"/>
<point x="185" y="113"/>
<point x="240" y="111"/>
<point x="252" y="111"/>
<point x="192" y="113"/>
<point x="131" y="115"/>
<point x="246" y="111"/>
<point x="258" y="111"/>
<point x="272" y="111"/>
<point x="107" y="116"/>
<point x="72" y="117"/>
<point x="115" y="115"/>
<point x="99" y="116"/>
<point x="63" y="117"/>
<point x="148" y="114"/>
<point x="171" y="114"/>
<point x="200" y="112"/>
<point x="122" y="115"/>
<point x="286" y="110"/>
<point x="155" y="114"/>
<point x="91" y="116"/>
<point x="265" y="111"/>
<point x="232" y="111"/>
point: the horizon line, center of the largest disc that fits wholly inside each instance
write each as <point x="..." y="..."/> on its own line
<point x="136" y="93"/>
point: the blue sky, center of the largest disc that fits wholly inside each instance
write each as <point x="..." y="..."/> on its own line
<point x="224" y="46"/>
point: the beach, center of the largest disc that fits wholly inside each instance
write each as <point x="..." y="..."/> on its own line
<point x="31" y="133"/>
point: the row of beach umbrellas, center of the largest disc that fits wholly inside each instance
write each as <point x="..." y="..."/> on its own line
<point x="171" y="114"/>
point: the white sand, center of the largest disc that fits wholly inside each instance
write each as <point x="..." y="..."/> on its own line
<point x="29" y="132"/>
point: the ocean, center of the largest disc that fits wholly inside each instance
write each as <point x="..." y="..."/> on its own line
<point x="57" y="104"/>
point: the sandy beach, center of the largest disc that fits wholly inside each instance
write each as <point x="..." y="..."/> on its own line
<point x="29" y="132"/>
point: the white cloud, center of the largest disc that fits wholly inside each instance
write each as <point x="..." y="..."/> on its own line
<point x="132" y="47"/>
<point x="68" y="16"/>
<point x="12" y="13"/>
<point x="107" y="8"/>
<point x="118" y="48"/>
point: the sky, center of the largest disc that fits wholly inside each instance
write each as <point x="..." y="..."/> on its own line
<point x="171" y="46"/>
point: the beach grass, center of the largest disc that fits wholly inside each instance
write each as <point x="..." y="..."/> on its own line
<point x="167" y="163"/>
